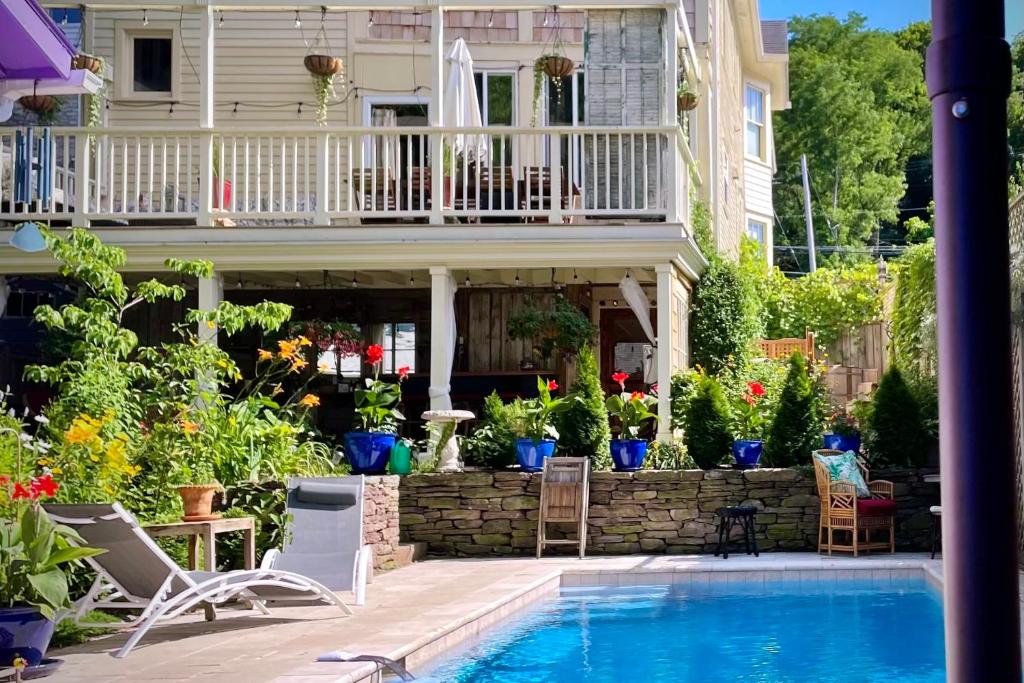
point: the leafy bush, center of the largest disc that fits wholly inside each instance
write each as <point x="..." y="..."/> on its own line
<point x="672" y="456"/>
<point x="914" y="310"/>
<point x="563" y="327"/>
<point x="725" y="321"/>
<point x="583" y="428"/>
<point x="797" y="426"/>
<point x="706" y="424"/>
<point x="492" y="443"/>
<point x="896" y="436"/>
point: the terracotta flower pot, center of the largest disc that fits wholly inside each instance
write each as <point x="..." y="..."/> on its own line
<point x="322" y="65"/>
<point x="40" y="104"/>
<point x="88" y="62"/>
<point x="556" y="66"/>
<point x="198" y="502"/>
<point x="687" y="101"/>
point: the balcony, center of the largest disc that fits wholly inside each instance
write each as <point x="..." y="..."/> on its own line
<point x="343" y="176"/>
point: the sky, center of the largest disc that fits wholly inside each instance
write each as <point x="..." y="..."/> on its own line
<point x="887" y="14"/>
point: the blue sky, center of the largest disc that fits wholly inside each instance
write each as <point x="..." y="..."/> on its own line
<point x="888" y="14"/>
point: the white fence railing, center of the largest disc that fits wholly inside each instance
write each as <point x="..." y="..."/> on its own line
<point x="497" y="174"/>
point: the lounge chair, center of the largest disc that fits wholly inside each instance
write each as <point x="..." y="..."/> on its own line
<point x="324" y="535"/>
<point x="842" y="510"/>
<point x="135" y="574"/>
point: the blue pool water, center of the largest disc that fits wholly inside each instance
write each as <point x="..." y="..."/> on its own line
<point x="839" y="631"/>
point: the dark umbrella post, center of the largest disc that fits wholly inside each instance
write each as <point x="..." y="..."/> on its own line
<point x="968" y="73"/>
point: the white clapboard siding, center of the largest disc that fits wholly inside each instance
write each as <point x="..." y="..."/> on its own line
<point x="258" y="64"/>
<point x="757" y="185"/>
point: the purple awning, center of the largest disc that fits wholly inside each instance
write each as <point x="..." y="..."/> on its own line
<point x="32" y="46"/>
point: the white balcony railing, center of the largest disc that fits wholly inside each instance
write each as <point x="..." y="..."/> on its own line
<point x="138" y="176"/>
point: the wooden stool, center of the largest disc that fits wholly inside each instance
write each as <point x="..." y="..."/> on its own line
<point x="744" y="515"/>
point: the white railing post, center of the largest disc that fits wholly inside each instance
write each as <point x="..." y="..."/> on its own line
<point x="82" y="162"/>
<point x="323" y="142"/>
<point x="206" y="116"/>
<point x="555" y="142"/>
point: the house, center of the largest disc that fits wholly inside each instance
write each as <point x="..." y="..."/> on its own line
<point x="427" y="237"/>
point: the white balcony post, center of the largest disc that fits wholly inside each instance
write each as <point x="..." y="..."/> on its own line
<point x="664" y="351"/>
<point x="322" y="154"/>
<point x="210" y="294"/>
<point x="442" y="325"/>
<point x="555" y="142"/>
<point x="206" y="115"/>
<point x="436" y="113"/>
<point x="670" y="118"/>
<point x="82" y="161"/>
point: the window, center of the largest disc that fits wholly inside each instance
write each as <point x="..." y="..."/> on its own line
<point x="496" y="94"/>
<point x="756" y="230"/>
<point x="754" y="112"/>
<point x="151" y="64"/>
<point x="399" y="347"/>
<point x="149" y="59"/>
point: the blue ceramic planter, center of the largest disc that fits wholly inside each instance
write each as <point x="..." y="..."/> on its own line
<point x="747" y="453"/>
<point x="842" y="442"/>
<point x="368" y="452"/>
<point x="24" y="632"/>
<point x="531" y="454"/>
<point x="628" y="454"/>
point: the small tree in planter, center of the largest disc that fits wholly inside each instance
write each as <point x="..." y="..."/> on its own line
<point x="536" y="436"/>
<point x="796" y="428"/>
<point x="583" y="427"/>
<point x="377" y="415"/>
<point x="896" y="436"/>
<point x="633" y="412"/>
<point x="706" y="424"/>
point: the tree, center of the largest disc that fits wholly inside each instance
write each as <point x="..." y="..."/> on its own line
<point x="860" y="111"/>
<point x="1015" y="111"/>
<point x="725" y="316"/>
<point x="895" y="435"/>
<point x="583" y="429"/>
<point x="706" y="424"/>
<point x="796" y="428"/>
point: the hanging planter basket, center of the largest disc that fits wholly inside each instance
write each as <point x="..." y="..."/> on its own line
<point x="687" y="101"/>
<point x="558" y="66"/>
<point x="323" y="65"/>
<point x="87" y="62"/>
<point x="40" y="104"/>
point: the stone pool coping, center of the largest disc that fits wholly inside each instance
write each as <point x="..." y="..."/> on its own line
<point x="422" y="611"/>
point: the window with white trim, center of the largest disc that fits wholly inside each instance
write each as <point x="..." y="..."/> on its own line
<point x="148" y="59"/>
<point x="496" y="94"/>
<point x="754" y="112"/>
<point x="756" y="230"/>
<point x="399" y="347"/>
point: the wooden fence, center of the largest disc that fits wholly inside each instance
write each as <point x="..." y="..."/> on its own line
<point x="1017" y="353"/>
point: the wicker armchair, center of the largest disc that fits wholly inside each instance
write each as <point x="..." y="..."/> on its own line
<point x="842" y="511"/>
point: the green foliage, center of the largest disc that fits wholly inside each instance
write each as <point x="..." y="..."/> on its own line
<point x="724" y="317"/>
<point x="266" y="503"/>
<point x="632" y="411"/>
<point x="860" y="110"/>
<point x="534" y="418"/>
<point x="797" y="426"/>
<point x="583" y="427"/>
<point x="706" y="423"/>
<point x="700" y="221"/>
<point x="563" y="327"/>
<point x="895" y="435"/>
<point x="1015" y="114"/>
<point x="914" y="310"/>
<point x="492" y="443"/>
<point x="671" y="456"/>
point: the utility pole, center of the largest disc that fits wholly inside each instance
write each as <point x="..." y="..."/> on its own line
<point x="968" y="74"/>
<point x="808" y="218"/>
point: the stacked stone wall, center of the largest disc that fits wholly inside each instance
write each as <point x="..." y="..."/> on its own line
<point x="380" y="520"/>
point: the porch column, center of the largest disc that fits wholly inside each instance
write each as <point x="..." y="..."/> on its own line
<point x="436" y="110"/>
<point x="442" y="337"/>
<point x="664" y="351"/>
<point x="206" y="114"/>
<point x="211" y="293"/>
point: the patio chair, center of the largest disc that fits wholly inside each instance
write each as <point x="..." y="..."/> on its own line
<point x="564" y="498"/>
<point x="324" y="534"/>
<point x="136" y="574"/>
<point x="842" y="510"/>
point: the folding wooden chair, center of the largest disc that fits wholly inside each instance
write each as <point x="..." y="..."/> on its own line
<point x="564" y="498"/>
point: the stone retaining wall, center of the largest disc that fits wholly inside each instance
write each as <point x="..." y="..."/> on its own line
<point x="380" y="519"/>
<point x="495" y="513"/>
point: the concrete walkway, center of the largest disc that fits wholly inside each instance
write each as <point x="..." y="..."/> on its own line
<point x="420" y="610"/>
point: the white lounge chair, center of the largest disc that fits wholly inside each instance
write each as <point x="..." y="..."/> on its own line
<point x="324" y="535"/>
<point x="135" y="574"/>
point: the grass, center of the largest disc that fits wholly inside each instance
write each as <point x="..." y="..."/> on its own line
<point x="68" y="633"/>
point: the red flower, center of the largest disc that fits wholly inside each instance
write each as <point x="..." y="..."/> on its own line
<point x="749" y="398"/>
<point x="552" y="385"/>
<point x="637" y="395"/>
<point x="20" y="492"/>
<point x="756" y="388"/>
<point x="654" y="389"/>
<point x="374" y="354"/>
<point x="403" y="372"/>
<point x="45" y="486"/>
<point x="620" y="379"/>
<point x="4" y="480"/>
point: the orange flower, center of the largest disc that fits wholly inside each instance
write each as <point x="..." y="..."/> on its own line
<point x="276" y="390"/>
<point x="309" y="400"/>
<point x="303" y="341"/>
<point x="288" y="348"/>
<point x="189" y="426"/>
<point x="298" y="364"/>
<point x="265" y="355"/>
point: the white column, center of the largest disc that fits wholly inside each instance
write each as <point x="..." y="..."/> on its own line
<point x="206" y="114"/>
<point x="211" y="293"/>
<point x="436" y="112"/>
<point x="671" y="50"/>
<point x="441" y="325"/>
<point x="664" y="351"/>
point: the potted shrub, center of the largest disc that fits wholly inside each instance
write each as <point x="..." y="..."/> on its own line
<point x="632" y="410"/>
<point x="687" y="98"/>
<point x="749" y="425"/>
<point x="532" y="425"/>
<point x="194" y="475"/>
<point x="843" y="433"/>
<point x="369" y="448"/>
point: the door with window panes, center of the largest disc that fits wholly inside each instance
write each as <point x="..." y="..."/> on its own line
<point x="496" y="95"/>
<point x="564" y="106"/>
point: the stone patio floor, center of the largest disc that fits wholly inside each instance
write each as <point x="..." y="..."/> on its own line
<point x="419" y="605"/>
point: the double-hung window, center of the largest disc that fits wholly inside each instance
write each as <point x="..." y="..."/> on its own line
<point x="754" y="112"/>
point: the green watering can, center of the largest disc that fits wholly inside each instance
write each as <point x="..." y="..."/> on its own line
<point x="401" y="458"/>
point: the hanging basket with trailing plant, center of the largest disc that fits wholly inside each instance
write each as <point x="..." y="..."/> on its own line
<point x="39" y="104"/>
<point x="687" y="98"/>
<point x="324" y="67"/>
<point x="88" y="63"/>
<point x="558" y="66"/>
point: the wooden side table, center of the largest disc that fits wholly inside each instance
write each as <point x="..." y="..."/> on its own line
<point x="208" y="532"/>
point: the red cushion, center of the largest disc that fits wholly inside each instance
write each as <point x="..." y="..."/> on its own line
<point x="875" y="507"/>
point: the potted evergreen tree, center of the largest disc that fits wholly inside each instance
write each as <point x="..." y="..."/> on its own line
<point x="583" y="427"/>
<point x="706" y="424"/>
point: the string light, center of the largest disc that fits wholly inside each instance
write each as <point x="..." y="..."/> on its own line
<point x="239" y="281"/>
<point x="575" y="277"/>
<point x="145" y="18"/>
<point x="490" y="20"/>
<point x="298" y="284"/>
<point x="355" y="282"/>
<point x="412" y="280"/>
<point x="220" y="21"/>
<point x="467" y="283"/>
<point x="517" y="280"/>
<point x="370" y="25"/>
<point x="298" y="21"/>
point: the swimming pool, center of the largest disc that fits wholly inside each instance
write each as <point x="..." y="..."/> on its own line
<point x="847" y="630"/>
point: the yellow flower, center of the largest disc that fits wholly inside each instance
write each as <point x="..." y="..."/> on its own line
<point x="82" y="430"/>
<point x="232" y="421"/>
<point x="56" y="470"/>
<point x="222" y="363"/>
<point x="43" y="462"/>
<point x="323" y="367"/>
<point x="302" y="341"/>
<point x="309" y="400"/>
<point x="288" y="348"/>
<point x="277" y="390"/>
<point x="265" y="355"/>
<point x="211" y="325"/>
<point x="94" y="457"/>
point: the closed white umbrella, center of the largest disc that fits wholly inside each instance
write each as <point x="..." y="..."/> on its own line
<point x="461" y="106"/>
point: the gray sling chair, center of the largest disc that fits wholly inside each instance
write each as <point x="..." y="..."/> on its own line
<point x="136" y="574"/>
<point x="324" y="535"/>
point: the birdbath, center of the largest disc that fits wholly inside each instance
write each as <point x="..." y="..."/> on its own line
<point x="450" y="452"/>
